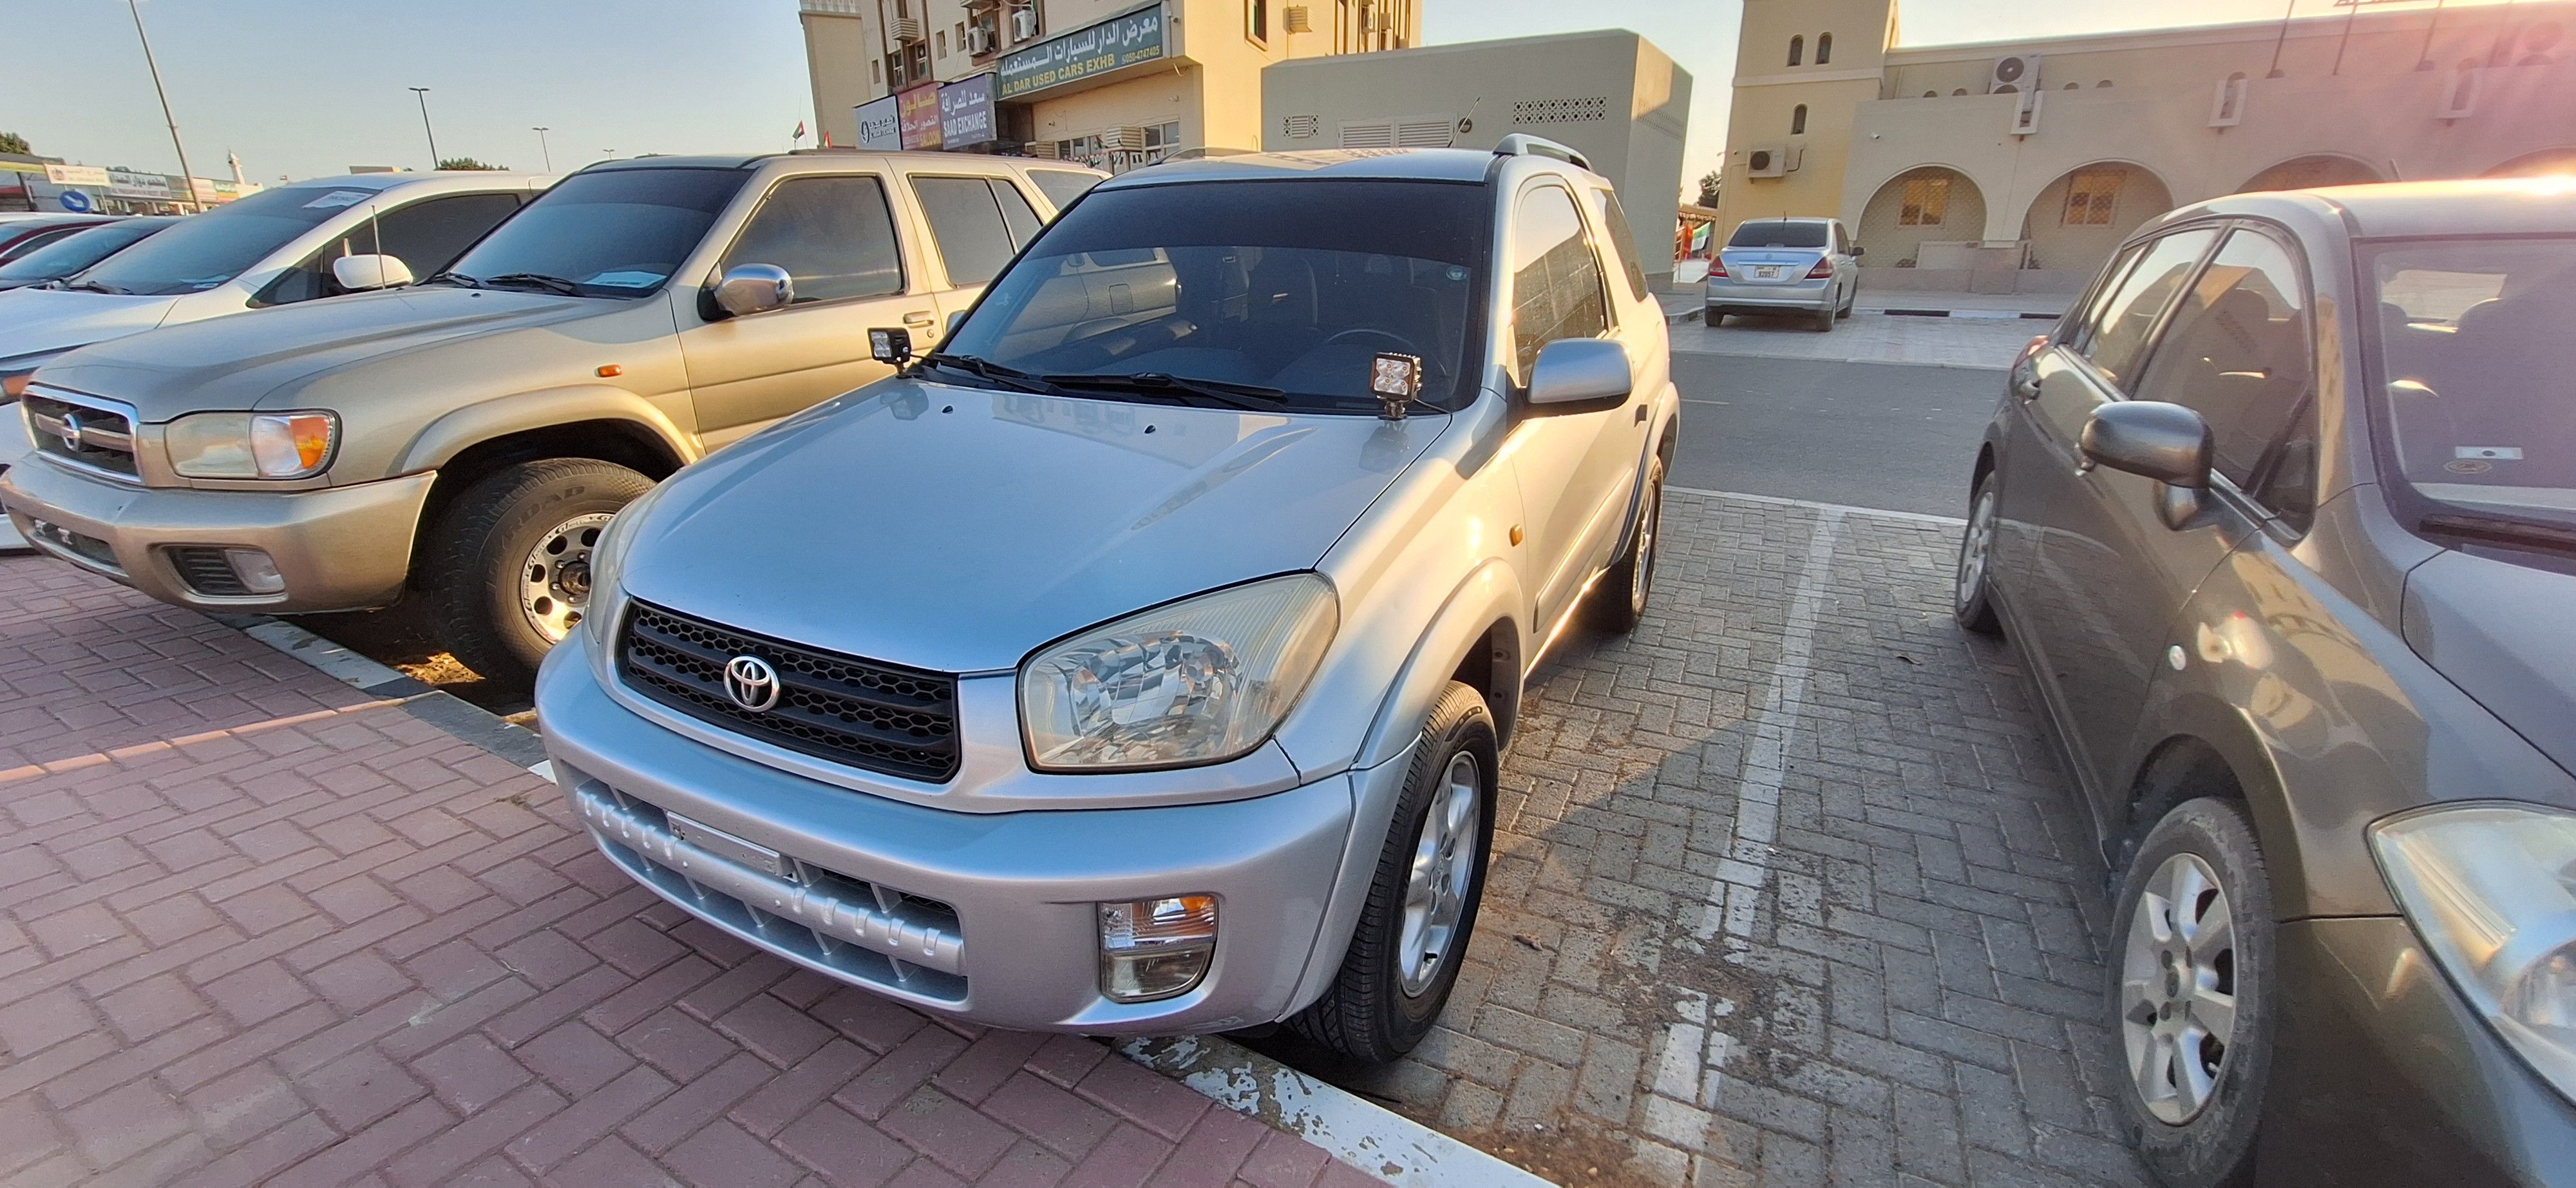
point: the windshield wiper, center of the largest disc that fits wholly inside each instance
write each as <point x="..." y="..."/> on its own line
<point x="1252" y="397"/>
<point x="452" y="277"/>
<point x="1008" y="377"/>
<point x="2507" y="531"/>
<point x="534" y="280"/>
<point x="95" y="287"/>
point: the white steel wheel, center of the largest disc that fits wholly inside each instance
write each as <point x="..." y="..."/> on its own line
<point x="554" y="582"/>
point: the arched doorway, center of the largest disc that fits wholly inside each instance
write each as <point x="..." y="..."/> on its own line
<point x="2307" y="173"/>
<point x="1928" y="203"/>
<point x="2086" y="212"/>
<point x="2560" y="161"/>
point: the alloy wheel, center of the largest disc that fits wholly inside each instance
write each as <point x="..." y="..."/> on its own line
<point x="1641" y="575"/>
<point x="2178" y="988"/>
<point x="1444" y="864"/>
<point x="554" y="581"/>
<point x="1976" y="550"/>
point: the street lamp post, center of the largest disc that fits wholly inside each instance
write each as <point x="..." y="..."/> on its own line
<point x="422" y="93"/>
<point x="187" y="179"/>
<point x="543" y="150"/>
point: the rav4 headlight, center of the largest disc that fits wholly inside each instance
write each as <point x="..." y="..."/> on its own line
<point x="1202" y="680"/>
<point x="608" y="569"/>
<point x="232" y="445"/>
<point x="2491" y="889"/>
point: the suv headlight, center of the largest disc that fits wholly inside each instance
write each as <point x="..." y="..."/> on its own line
<point x="1202" y="680"/>
<point x="231" y="445"/>
<point x="2491" y="889"/>
<point x="607" y="566"/>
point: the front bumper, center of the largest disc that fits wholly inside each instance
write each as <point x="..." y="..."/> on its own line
<point x="990" y="917"/>
<point x="2382" y="1075"/>
<point x="1731" y="296"/>
<point x="338" y="548"/>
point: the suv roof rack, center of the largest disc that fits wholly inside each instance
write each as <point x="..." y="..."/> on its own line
<point x="1522" y="144"/>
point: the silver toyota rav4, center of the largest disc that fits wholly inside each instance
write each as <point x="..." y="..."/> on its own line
<point x="1140" y="660"/>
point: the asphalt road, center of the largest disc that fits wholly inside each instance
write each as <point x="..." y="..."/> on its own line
<point x="1879" y="435"/>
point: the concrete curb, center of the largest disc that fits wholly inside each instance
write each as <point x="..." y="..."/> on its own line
<point x="1353" y="1130"/>
<point x="1676" y="317"/>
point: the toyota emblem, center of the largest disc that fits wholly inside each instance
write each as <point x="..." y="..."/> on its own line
<point x="751" y="682"/>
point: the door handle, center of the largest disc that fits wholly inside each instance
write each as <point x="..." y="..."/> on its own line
<point x="919" y="318"/>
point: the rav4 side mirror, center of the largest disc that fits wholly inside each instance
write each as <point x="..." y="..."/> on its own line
<point x="2153" y="439"/>
<point x="752" y="288"/>
<point x="1579" y="375"/>
<point x="370" y="270"/>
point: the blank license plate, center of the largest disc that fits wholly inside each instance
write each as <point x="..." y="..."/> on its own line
<point x="726" y="846"/>
<point x="1766" y="272"/>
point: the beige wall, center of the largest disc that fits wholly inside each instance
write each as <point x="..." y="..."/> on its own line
<point x="1768" y="92"/>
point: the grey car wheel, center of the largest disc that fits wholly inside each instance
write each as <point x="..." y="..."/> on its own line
<point x="1972" y="600"/>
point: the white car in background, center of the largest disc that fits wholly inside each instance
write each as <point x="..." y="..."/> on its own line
<point x="1783" y="266"/>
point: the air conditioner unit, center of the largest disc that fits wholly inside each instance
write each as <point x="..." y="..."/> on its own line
<point x="2013" y="73"/>
<point x="2227" y="103"/>
<point x="2026" y="113"/>
<point x="1024" y="23"/>
<point x="1298" y="19"/>
<point x="1771" y="160"/>
<point x="1126" y="139"/>
<point x="2459" y="98"/>
<point x="979" y="40"/>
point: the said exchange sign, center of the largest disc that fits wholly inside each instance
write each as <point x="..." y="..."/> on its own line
<point x="1098" y="49"/>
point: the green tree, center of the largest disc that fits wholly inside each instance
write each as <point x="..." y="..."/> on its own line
<point x="467" y="163"/>
<point x="1708" y="187"/>
<point x="11" y="142"/>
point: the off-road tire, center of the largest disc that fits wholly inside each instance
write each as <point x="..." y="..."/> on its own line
<point x="1365" y="1014"/>
<point x="471" y="565"/>
<point x="2214" y="1148"/>
<point x="1619" y="600"/>
<point x="1972" y="598"/>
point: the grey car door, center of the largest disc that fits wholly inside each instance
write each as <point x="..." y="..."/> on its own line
<point x="1574" y="468"/>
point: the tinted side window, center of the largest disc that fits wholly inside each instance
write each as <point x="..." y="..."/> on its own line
<point x="968" y="225"/>
<point x="2078" y="327"/>
<point x="2238" y="353"/>
<point x="1605" y="211"/>
<point x="1062" y="186"/>
<point x="1016" y="211"/>
<point x="2118" y="332"/>
<point x="428" y="236"/>
<point x="1556" y="282"/>
<point x="832" y="234"/>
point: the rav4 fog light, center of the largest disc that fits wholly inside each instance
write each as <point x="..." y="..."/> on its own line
<point x="1155" y="948"/>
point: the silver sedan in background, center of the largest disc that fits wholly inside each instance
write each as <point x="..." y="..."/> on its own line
<point x="1785" y="266"/>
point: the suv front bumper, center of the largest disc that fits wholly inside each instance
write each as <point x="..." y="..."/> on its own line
<point x="338" y="548"/>
<point x="991" y="917"/>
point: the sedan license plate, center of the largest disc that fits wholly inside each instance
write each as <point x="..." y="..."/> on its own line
<point x="726" y="846"/>
<point x="1766" y="272"/>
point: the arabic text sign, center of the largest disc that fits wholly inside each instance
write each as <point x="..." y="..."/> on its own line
<point x="880" y="126"/>
<point x="919" y="108"/>
<point x="966" y="111"/>
<point x="1118" y="41"/>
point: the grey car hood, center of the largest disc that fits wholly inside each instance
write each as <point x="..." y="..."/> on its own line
<point x="2490" y="627"/>
<point x="956" y="529"/>
<point x="242" y="362"/>
<point x="34" y="321"/>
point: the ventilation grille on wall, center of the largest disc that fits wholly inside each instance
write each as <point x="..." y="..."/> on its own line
<point x="1592" y="109"/>
<point x="1300" y="127"/>
<point x="1427" y="132"/>
<point x="1298" y="20"/>
<point x="1368" y="134"/>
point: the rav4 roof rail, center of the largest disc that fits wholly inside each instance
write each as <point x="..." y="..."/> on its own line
<point x="1522" y="144"/>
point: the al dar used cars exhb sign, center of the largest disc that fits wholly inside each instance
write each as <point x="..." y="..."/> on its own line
<point x="1098" y="49"/>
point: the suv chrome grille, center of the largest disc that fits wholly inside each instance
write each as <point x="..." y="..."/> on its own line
<point x="91" y="436"/>
<point x="840" y="709"/>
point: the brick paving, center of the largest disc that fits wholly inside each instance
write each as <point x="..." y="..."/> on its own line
<point x="256" y="928"/>
<point x="1790" y="888"/>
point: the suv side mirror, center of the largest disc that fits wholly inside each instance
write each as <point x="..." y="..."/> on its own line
<point x="1579" y="375"/>
<point x="370" y="270"/>
<point x="2164" y="442"/>
<point x="752" y="288"/>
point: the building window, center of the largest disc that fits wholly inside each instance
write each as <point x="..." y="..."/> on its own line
<point x="1824" y="48"/>
<point x="1927" y="202"/>
<point x="876" y="73"/>
<point x="2089" y="195"/>
<point x="1798" y="121"/>
<point x="1256" y="20"/>
<point x="2102" y="85"/>
<point x="1960" y="91"/>
<point x="942" y="35"/>
<point x="1797" y="50"/>
<point x="1931" y="94"/>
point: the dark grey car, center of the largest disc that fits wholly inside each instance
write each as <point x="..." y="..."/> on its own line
<point x="2282" y="518"/>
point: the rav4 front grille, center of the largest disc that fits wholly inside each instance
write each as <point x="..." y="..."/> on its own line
<point x="840" y="709"/>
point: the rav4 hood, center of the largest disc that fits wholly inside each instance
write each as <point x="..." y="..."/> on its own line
<point x="34" y="321"/>
<point x="263" y="359"/>
<point x="958" y="529"/>
<point x="2487" y="626"/>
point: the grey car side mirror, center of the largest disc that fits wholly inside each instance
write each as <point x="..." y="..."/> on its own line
<point x="1578" y="375"/>
<point x="2153" y="439"/>
<point x="751" y="288"/>
<point x="370" y="270"/>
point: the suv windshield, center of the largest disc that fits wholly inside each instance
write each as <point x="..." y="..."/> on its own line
<point x="2478" y="376"/>
<point x="203" y="251"/>
<point x="77" y="251"/>
<point x="1292" y="286"/>
<point x="1778" y="233"/>
<point x="608" y="233"/>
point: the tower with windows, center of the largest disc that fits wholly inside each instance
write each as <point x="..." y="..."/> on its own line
<point x="1802" y="68"/>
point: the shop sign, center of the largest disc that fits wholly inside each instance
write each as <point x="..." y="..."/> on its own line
<point x="880" y="126"/>
<point x="966" y="111"/>
<point x="919" y="109"/>
<point x="91" y="176"/>
<point x="124" y="184"/>
<point x="1097" y="49"/>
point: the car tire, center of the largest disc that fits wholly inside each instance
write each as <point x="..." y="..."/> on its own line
<point x="1370" y="1013"/>
<point x="547" y="514"/>
<point x="1619" y="601"/>
<point x="1972" y="589"/>
<point x="1825" y="320"/>
<point x="2193" y="1113"/>
<point x="1713" y="317"/>
<point x="1850" y="299"/>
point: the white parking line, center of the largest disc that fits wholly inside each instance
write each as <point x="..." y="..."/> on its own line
<point x="1842" y="508"/>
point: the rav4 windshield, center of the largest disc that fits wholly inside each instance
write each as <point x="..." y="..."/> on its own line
<point x="202" y="251"/>
<point x="610" y="233"/>
<point x="2478" y="377"/>
<point x="1294" y="285"/>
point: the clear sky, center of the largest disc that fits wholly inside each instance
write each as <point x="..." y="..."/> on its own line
<point x="306" y="87"/>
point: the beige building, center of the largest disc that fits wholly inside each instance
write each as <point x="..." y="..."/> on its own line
<point x="1111" y="83"/>
<point x="2017" y="165"/>
<point x="1608" y="94"/>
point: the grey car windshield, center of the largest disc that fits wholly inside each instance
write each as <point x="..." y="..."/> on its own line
<point x="608" y="233"/>
<point x="1294" y="285"/>
<point x="72" y="253"/>
<point x="206" y="250"/>
<point x="2478" y="372"/>
<point x="1778" y="233"/>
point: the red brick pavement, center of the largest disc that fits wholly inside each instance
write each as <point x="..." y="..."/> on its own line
<point x="257" y="929"/>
